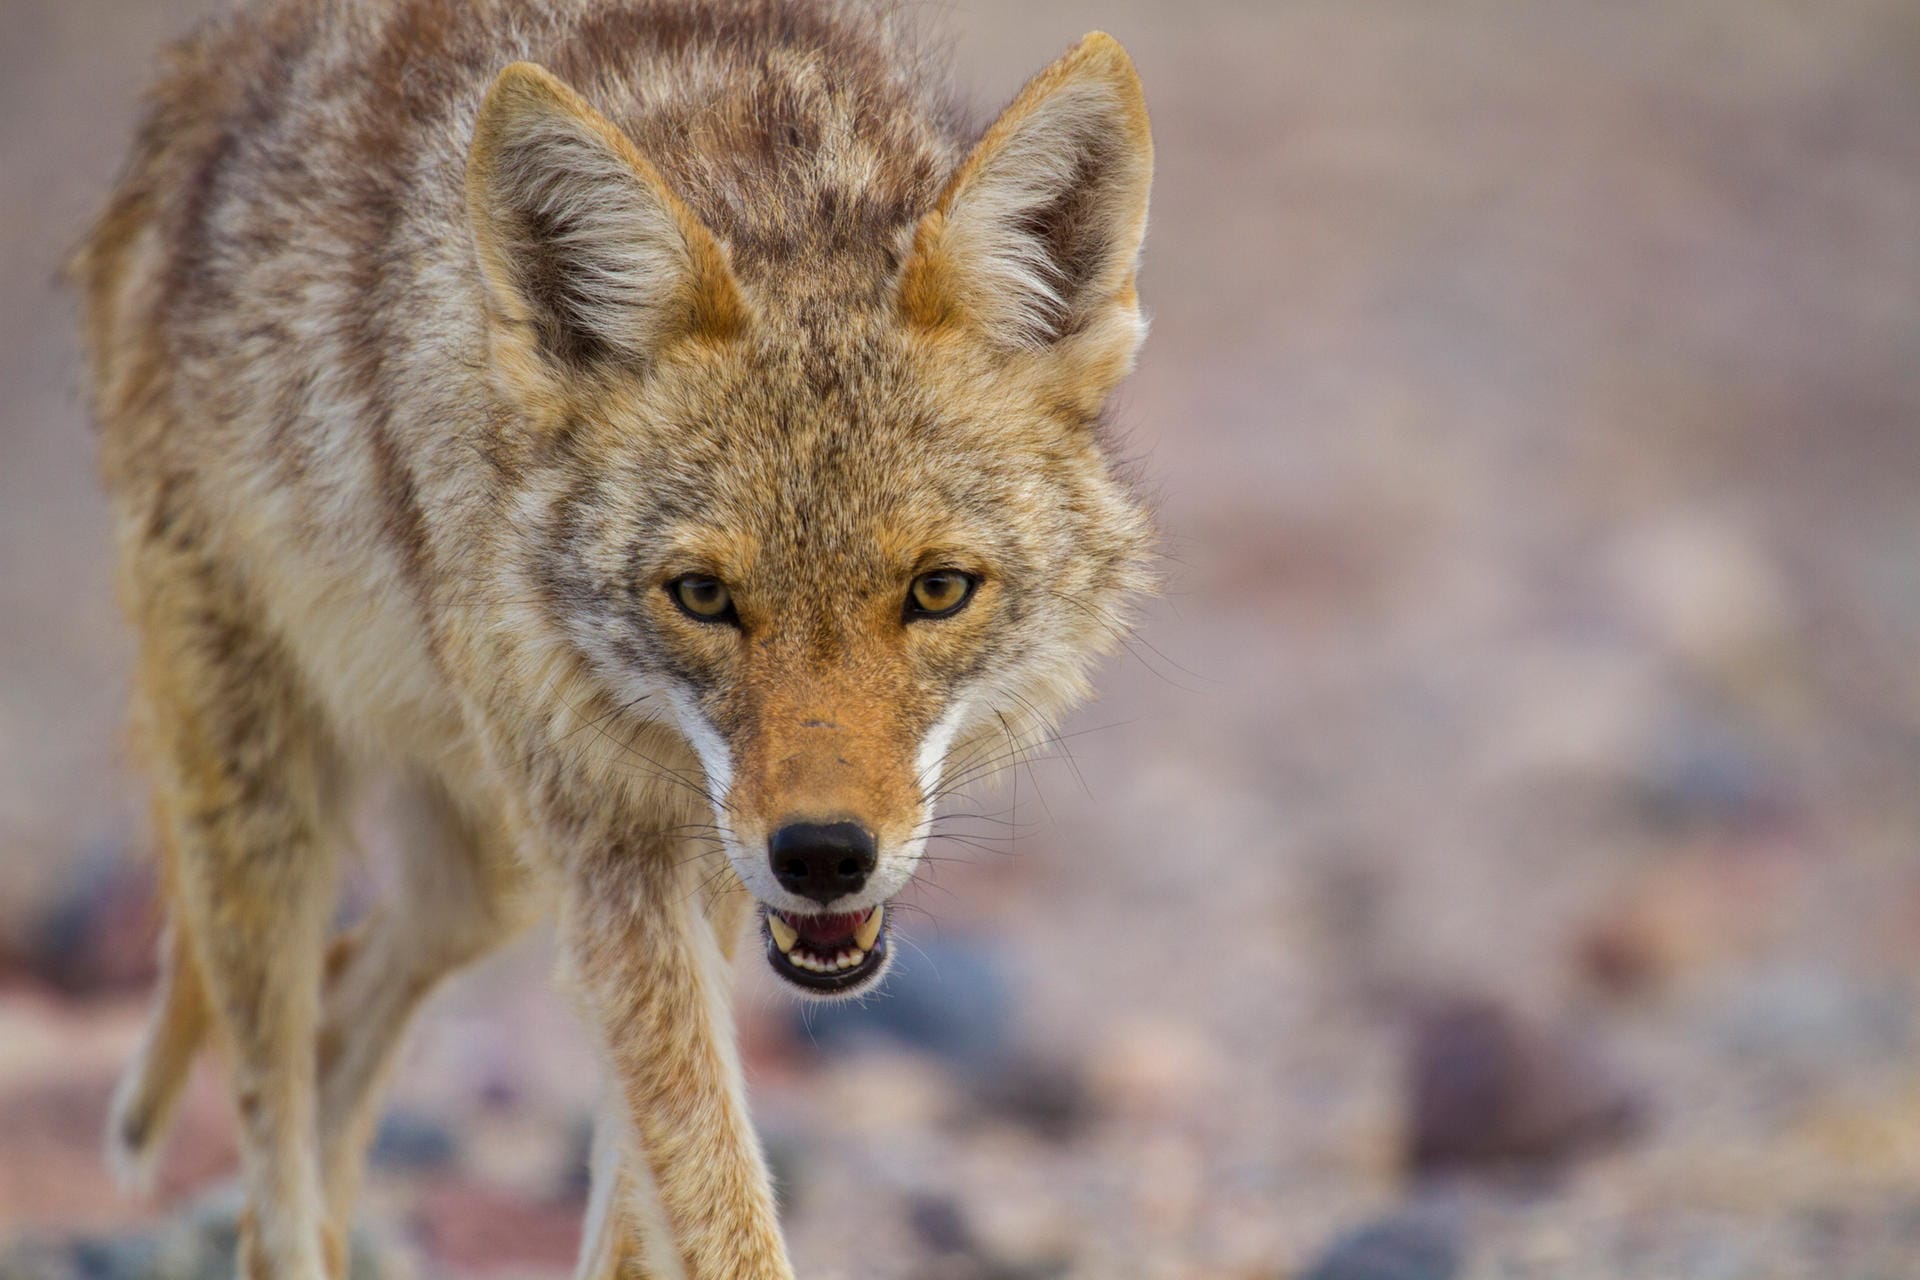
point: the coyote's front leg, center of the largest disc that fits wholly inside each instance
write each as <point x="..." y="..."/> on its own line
<point x="650" y="965"/>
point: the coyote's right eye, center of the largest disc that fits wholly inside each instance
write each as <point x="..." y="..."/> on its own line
<point x="940" y="593"/>
<point x="701" y="597"/>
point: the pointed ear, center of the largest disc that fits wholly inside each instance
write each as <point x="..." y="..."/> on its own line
<point x="1034" y="242"/>
<point x="587" y="257"/>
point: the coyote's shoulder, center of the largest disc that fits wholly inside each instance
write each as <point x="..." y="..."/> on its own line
<point x="660" y="440"/>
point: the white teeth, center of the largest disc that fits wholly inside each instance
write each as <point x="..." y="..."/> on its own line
<point x="787" y="938"/>
<point x="813" y="964"/>
<point x="869" y="931"/>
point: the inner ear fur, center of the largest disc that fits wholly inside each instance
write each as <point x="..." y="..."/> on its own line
<point x="1035" y="240"/>
<point x="586" y="255"/>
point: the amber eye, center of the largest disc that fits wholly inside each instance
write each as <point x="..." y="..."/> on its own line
<point x="702" y="597"/>
<point x="937" y="594"/>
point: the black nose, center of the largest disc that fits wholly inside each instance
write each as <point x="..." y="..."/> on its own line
<point x="822" y="860"/>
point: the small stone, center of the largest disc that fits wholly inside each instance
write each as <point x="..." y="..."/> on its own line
<point x="35" y="1260"/>
<point x="1813" y="1020"/>
<point x="1699" y="776"/>
<point x="1488" y="1086"/>
<point x="1048" y="1098"/>
<point x="1404" y="1247"/>
<point x="941" y="1225"/>
<point x="98" y="934"/>
<point x="200" y="1244"/>
<point x="786" y="1156"/>
<point x="1148" y="1067"/>
<point x="467" y="1229"/>
<point x="576" y="1167"/>
<point x="1704" y="584"/>
<point x="411" y="1141"/>
<point x="1708" y="908"/>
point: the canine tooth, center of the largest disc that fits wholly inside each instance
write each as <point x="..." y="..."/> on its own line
<point x="869" y="930"/>
<point x="784" y="934"/>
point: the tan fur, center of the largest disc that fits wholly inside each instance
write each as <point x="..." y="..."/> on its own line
<point x="432" y="341"/>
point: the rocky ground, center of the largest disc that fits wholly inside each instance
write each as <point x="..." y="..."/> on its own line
<point x="1495" y="857"/>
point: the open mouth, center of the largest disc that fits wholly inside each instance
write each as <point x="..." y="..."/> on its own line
<point x="827" y="954"/>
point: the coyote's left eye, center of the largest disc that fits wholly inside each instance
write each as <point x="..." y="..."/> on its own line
<point x="937" y="594"/>
<point x="702" y="597"/>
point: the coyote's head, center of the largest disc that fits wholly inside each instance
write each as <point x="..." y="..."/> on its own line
<point x="829" y="496"/>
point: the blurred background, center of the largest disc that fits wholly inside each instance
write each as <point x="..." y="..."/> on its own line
<point x="1495" y="857"/>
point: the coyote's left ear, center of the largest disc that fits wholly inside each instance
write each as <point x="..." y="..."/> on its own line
<point x="1034" y="242"/>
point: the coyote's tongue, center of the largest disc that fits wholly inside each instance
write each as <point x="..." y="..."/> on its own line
<point x="828" y="935"/>
<point x="825" y="929"/>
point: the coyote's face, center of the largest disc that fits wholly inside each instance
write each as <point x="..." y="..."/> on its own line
<point x="854" y="537"/>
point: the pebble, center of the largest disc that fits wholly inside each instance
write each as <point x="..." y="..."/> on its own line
<point x="1489" y="1086"/>
<point x="1809" y="1019"/>
<point x="1047" y="1097"/>
<point x="409" y="1140"/>
<point x="97" y="935"/>
<point x="469" y="1228"/>
<point x="198" y="1245"/>
<point x="941" y="1225"/>
<point x="1154" y="1068"/>
<point x="1410" y="1246"/>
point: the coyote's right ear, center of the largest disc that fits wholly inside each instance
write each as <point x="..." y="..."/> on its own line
<point x="587" y="257"/>
<point x="1034" y="242"/>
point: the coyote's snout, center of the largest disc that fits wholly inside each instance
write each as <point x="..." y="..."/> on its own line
<point x="665" y="438"/>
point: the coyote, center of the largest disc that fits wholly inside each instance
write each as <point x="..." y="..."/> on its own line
<point x="660" y="440"/>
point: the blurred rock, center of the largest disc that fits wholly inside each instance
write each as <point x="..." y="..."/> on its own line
<point x="1490" y="1087"/>
<point x="96" y="935"/>
<point x="946" y="996"/>
<point x="1706" y="776"/>
<point x="1047" y="1097"/>
<point x="1620" y="955"/>
<point x="415" y="1142"/>
<point x="879" y="1091"/>
<point x="467" y="1228"/>
<point x="1150" y="1067"/>
<point x="961" y="1266"/>
<point x="1698" y="909"/>
<point x="1808" y="1019"/>
<point x="1351" y="895"/>
<point x="576" y="1167"/>
<point x="126" y="1258"/>
<point x="940" y="1225"/>
<point x="198" y="1245"/>
<point x="1408" y="1246"/>
<point x="1021" y="1236"/>
<point x="1169" y="1183"/>
<point x="785" y="1150"/>
<point x="1704" y="584"/>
